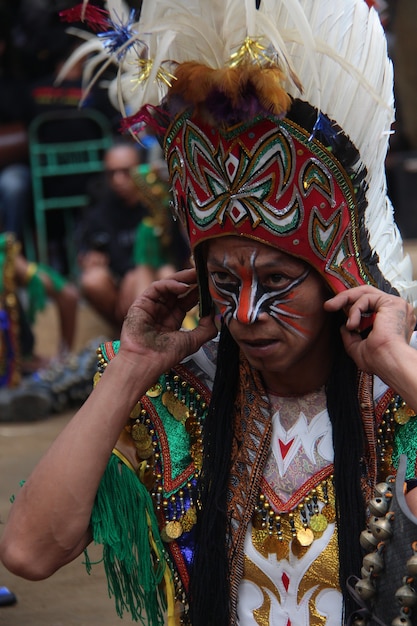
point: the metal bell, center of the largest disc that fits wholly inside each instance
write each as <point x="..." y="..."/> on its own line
<point x="367" y="540"/>
<point x="371" y="524"/>
<point x="373" y="562"/>
<point x="412" y="562"/>
<point x="381" y="528"/>
<point x="378" y="506"/>
<point x="365" y="588"/>
<point x="381" y="489"/>
<point x="406" y="596"/>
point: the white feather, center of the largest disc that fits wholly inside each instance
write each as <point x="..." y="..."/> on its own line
<point x="85" y="49"/>
<point x="337" y="50"/>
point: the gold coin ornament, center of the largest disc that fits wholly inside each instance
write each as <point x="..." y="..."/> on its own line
<point x="189" y="519"/>
<point x="135" y="412"/>
<point x="154" y="391"/>
<point x="305" y="537"/>
<point x="282" y="550"/>
<point x="318" y="523"/>
<point x="173" y="530"/>
<point x="272" y="545"/>
<point x="96" y="378"/>
<point x="143" y="440"/>
<point x="176" y="408"/>
<point x="145" y="453"/>
<point x="403" y="414"/>
<point x="139" y="431"/>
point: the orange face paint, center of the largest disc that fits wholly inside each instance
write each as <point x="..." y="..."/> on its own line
<point x="240" y="293"/>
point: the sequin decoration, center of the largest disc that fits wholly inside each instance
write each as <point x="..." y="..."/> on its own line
<point x="266" y="179"/>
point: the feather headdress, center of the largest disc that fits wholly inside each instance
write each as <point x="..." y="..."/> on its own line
<point x="260" y="58"/>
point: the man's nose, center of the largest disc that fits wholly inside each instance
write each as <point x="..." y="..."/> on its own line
<point x="246" y="310"/>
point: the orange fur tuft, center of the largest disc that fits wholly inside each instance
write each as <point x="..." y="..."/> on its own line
<point x="268" y="84"/>
<point x="193" y="82"/>
<point x="227" y="81"/>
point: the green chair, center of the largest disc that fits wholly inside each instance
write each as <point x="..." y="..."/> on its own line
<point x="66" y="148"/>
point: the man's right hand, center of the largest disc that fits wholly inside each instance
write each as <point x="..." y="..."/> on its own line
<point x="153" y="330"/>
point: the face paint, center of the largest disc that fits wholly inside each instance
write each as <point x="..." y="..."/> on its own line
<point x="242" y="294"/>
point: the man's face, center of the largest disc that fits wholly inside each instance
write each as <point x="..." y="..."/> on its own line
<point x="118" y="163"/>
<point x="272" y="303"/>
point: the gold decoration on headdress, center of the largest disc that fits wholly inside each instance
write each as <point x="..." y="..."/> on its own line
<point x="144" y="71"/>
<point x="251" y="50"/>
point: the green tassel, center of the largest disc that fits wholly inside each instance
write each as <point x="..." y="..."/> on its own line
<point x="123" y="520"/>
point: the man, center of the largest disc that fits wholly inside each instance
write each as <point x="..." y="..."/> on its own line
<point x="236" y="490"/>
<point x="108" y="278"/>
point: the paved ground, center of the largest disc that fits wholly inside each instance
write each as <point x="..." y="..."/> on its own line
<point x="70" y="597"/>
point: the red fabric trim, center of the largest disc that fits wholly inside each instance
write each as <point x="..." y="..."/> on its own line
<point x="382" y="404"/>
<point x="311" y="483"/>
<point x="180" y="564"/>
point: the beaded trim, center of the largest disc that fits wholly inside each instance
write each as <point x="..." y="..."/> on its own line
<point x="302" y="525"/>
<point x="175" y="497"/>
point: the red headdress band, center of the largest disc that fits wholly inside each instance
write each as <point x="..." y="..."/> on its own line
<point x="267" y="180"/>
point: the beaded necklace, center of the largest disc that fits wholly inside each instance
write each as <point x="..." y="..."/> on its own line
<point x="301" y="526"/>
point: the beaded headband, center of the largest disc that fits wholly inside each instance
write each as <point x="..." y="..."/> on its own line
<point x="269" y="181"/>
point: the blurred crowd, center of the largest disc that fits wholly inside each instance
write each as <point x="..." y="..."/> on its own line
<point x="124" y="236"/>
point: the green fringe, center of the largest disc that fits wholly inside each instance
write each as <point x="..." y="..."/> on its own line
<point x="57" y="280"/>
<point x="147" y="249"/>
<point x="123" y="520"/>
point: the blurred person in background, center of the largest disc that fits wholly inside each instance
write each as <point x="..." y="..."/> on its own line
<point x="108" y="229"/>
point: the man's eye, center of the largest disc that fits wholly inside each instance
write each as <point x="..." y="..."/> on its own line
<point x="276" y="280"/>
<point x="223" y="278"/>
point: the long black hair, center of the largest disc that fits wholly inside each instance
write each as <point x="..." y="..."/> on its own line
<point x="209" y="586"/>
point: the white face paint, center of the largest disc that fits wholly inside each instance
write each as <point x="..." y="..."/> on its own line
<point x="273" y="305"/>
<point x="243" y="294"/>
